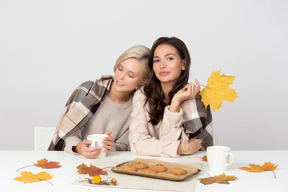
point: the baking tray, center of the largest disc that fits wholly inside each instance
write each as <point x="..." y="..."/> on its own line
<point x="191" y="169"/>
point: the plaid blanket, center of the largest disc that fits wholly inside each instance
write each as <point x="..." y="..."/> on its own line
<point x="197" y="121"/>
<point x="80" y="107"/>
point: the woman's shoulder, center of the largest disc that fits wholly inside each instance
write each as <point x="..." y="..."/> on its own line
<point x="139" y="96"/>
<point x="140" y="93"/>
<point x="106" y="77"/>
<point x="87" y="84"/>
<point x="104" y="80"/>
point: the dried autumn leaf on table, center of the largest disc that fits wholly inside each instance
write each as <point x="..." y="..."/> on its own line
<point x="221" y="179"/>
<point x="28" y="177"/>
<point x="45" y="164"/>
<point x="204" y="158"/>
<point x="217" y="90"/>
<point x="267" y="166"/>
<point x="92" y="170"/>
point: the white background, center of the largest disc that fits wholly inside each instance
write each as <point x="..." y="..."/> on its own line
<point x="49" y="47"/>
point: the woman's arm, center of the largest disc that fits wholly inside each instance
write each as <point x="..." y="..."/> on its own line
<point x="187" y="93"/>
<point x="72" y="141"/>
<point x="74" y="144"/>
<point x="154" y="142"/>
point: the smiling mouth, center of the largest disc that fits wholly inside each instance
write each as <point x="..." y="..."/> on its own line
<point x="119" y="83"/>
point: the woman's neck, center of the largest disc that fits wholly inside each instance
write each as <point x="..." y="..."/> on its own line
<point x="166" y="88"/>
<point x="118" y="97"/>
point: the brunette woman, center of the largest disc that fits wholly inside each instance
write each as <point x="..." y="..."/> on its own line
<point x="168" y="117"/>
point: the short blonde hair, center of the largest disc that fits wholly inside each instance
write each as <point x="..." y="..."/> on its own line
<point x="139" y="52"/>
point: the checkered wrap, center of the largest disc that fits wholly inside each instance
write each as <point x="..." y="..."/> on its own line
<point x="197" y="121"/>
<point x="80" y="107"/>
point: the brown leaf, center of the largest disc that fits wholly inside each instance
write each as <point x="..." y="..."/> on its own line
<point x="204" y="158"/>
<point x="267" y="166"/>
<point x="28" y="177"/>
<point x="92" y="170"/>
<point x="221" y="179"/>
<point x="45" y="164"/>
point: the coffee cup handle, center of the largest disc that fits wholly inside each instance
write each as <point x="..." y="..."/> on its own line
<point x="231" y="159"/>
<point x="93" y="144"/>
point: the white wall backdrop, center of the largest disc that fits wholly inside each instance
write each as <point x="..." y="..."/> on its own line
<point x="49" y="47"/>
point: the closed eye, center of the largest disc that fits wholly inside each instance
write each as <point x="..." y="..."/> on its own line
<point x="131" y="75"/>
<point x="120" y="67"/>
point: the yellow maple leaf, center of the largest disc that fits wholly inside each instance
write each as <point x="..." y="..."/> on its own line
<point x="217" y="90"/>
<point x="267" y="166"/>
<point x="28" y="177"/>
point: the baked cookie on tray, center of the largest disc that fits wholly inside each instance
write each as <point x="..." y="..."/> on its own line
<point x="148" y="170"/>
<point x="129" y="168"/>
<point x="159" y="168"/>
<point x="178" y="171"/>
<point x="140" y="165"/>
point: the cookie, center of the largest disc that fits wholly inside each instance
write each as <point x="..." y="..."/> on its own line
<point x="168" y="173"/>
<point x="140" y="165"/>
<point x="148" y="170"/>
<point x="159" y="168"/>
<point x="178" y="171"/>
<point x="129" y="168"/>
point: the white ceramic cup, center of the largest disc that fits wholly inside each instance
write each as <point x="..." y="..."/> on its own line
<point x="219" y="157"/>
<point x="96" y="141"/>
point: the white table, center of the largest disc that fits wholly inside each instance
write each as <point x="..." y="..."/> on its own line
<point x="10" y="161"/>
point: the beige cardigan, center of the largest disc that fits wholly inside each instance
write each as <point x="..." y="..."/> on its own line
<point x="164" y="139"/>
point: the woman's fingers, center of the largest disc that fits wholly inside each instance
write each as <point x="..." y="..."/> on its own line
<point x="108" y="141"/>
<point x="192" y="90"/>
<point x="86" y="142"/>
<point x="92" y="153"/>
<point x="108" y="133"/>
<point x="197" y="82"/>
<point x="107" y="148"/>
<point x="89" y="152"/>
<point x="108" y="144"/>
<point x="198" y="85"/>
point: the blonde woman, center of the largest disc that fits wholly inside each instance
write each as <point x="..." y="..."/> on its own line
<point x="103" y="106"/>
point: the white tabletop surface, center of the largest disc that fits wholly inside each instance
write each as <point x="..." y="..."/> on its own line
<point x="10" y="161"/>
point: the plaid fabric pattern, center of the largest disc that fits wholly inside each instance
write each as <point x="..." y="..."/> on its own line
<point x="80" y="107"/>
<point x="197" y="121"/>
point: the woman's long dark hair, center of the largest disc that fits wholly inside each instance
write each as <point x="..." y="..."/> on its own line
<point x="153" y="90"/>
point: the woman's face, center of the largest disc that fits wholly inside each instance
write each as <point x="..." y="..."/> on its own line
<point x="128" y="75"/>
<point x="167" y="64"/>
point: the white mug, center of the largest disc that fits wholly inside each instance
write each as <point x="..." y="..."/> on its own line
<point x="96" y="141"/>
<point x="219" y="157"/>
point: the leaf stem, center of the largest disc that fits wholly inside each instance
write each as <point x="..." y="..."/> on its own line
<point x="107" y="167"/>
<point x="25" y="167"/>
<point x="49" y="182"/>
<point x="274" y="175"/>
<point x="202" y="85"/>
<point x="206" y="172"/>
